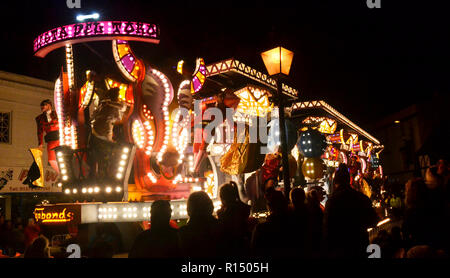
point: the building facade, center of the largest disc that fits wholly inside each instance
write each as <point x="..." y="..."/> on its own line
<point x="414" y="138"/>
<point x="20" y="98"/>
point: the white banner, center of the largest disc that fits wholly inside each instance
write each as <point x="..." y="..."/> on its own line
<point x="11" y="179"/>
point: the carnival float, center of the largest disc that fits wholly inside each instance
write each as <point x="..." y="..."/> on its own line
<point x="124" y="145"/>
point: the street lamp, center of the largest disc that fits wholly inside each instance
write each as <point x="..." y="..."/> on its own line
<point x="278" y="64"/>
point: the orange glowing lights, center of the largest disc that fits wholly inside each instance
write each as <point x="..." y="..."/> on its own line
<point x="278" y="60"/>
<point x="44" y="215"/>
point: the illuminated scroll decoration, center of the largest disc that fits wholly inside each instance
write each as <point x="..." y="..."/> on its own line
<point x="254" y="101"/>
<point x="168" y="94"/>
<point x="130" y="66"/>
<point x="143" y="135"/>
<point x="94" y="31"/>
<point x="199" y="76"/>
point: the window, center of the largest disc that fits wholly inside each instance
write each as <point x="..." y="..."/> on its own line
<point x="5" y="127"/>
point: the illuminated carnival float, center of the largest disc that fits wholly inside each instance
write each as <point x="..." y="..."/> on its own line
<point x="150" y="150"/>
<point x="327" y="138"/>
<point x="145" y="153"/>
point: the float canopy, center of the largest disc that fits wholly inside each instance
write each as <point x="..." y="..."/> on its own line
<point x="94" y="31"/>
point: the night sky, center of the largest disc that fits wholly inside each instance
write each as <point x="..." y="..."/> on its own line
<point x="365" y="62"/>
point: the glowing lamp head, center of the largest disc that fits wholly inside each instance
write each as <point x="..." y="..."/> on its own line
<point x="278" y="60"/>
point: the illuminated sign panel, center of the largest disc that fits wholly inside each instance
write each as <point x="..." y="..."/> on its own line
<point x="92" y="31"/>
<point x="57" y="214"/>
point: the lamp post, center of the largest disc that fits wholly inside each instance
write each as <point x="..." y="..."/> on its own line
<point x="278" y="63"/>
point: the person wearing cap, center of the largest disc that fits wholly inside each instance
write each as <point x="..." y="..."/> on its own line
<point x="47" y="123"/>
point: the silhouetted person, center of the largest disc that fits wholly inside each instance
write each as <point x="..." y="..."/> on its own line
<point x="161" y="240"/>
<point x="272" y="238"/>
<point x="38" y="249"/>
<point x="315" y="223"/>
<point x="201" y="236"/>
<point x="299" y="220"/>
<point x="234" y="219"/>
<point x="101" y="249"/>
<point x="348" y="215"/>
<point x="426" y="215"/>
<point x="106" y="242"/>
<point x="7" y="238"/>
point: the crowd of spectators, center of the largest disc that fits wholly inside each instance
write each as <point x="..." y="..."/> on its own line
<point x="297" y="225"/>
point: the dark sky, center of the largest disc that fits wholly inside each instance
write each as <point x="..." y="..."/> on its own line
<point x="365" y="62"/>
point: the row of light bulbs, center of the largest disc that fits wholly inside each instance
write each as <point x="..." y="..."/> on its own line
<point x="122" y="163"/>
<point x="91" y="190"/>
<point x="62" y="166"/>
<point x="132" y="213"/>
<point x="59" y="110"/>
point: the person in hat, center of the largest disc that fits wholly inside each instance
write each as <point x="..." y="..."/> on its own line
<point x="47" y="122"/>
